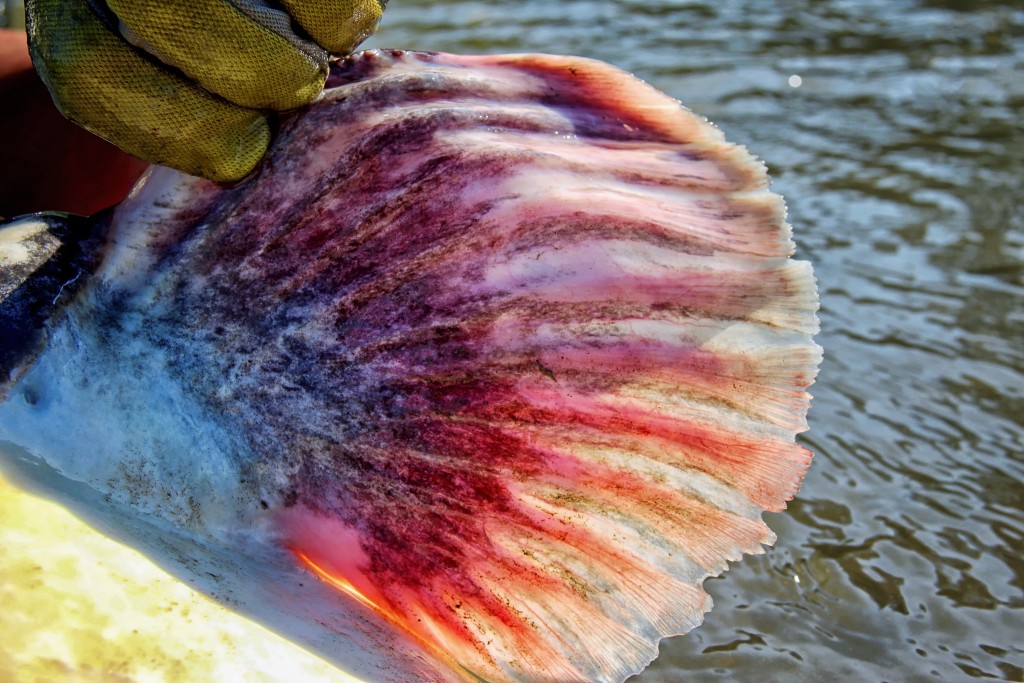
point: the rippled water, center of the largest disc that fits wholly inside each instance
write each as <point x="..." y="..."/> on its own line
<point x="901" y="154"/>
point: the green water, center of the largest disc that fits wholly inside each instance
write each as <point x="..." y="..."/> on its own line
<point x="901" y="155"/>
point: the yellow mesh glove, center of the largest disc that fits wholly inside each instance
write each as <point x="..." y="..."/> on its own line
<point x="189" y="84"/>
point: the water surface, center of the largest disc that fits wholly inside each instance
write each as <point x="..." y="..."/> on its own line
<point x="893" y="129"/>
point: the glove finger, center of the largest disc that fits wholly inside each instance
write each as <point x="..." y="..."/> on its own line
<point x="338" y="25"/>
<point x="243" y="50"/>
<point x="103" y="84"/>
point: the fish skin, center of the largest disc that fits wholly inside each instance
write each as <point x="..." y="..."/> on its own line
<point x="42" y="261"/>
<point x="510" y="348"/>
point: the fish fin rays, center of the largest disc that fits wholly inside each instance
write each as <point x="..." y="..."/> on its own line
<point x="524" y="361"/>
<point x="568" y="558"/>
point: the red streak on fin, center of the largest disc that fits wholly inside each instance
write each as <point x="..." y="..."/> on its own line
<point x="344" y="586"/>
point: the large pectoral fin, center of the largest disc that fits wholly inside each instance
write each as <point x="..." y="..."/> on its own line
<point x="527" y="352"/>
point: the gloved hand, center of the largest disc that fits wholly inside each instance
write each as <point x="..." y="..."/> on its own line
<point x="189" y="84"/>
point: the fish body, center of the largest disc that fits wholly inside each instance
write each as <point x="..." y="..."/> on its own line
<point x="509" y="352"/>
